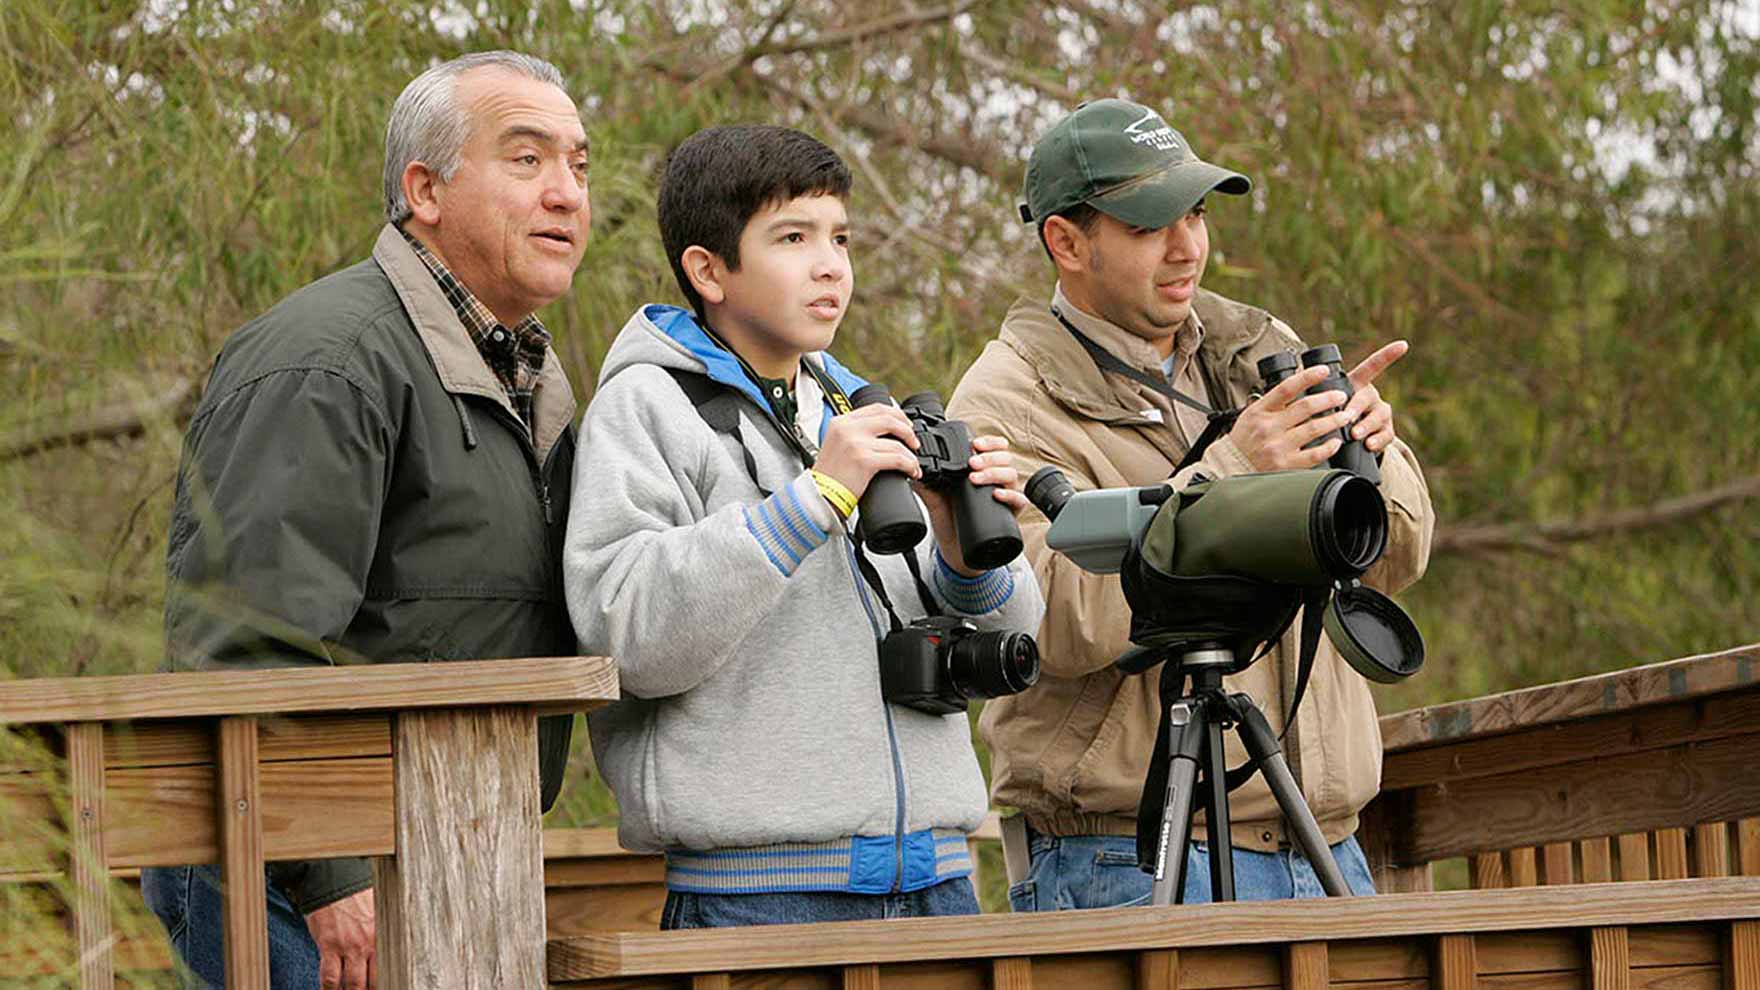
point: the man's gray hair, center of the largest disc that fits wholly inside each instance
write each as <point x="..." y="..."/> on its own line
<point x="428" y="126"/>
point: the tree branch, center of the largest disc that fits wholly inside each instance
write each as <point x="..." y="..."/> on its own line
<point x="1550" y="536"/>
<point x="176" y="402"/>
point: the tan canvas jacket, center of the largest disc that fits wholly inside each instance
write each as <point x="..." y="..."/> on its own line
<point x="1071" y="751"/>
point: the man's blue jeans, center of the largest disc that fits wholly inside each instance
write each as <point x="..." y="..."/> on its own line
<point x="688" y="910"/>
<point x="1096" y="871"/>
<point x="187" y="901"/>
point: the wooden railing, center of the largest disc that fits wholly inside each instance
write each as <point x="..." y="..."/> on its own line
<point x="1647" y="773"/>
<point x="433" y="770"/>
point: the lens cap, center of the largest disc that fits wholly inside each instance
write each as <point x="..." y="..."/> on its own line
<point x="1376" y="637"/>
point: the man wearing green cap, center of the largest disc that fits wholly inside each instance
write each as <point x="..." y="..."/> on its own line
<point x="1109" y="381"/>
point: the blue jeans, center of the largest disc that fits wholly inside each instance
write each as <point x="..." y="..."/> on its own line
<point x="1097" y="871"/>
<point x="688" y="910"/>
<point x="187" y="901"/>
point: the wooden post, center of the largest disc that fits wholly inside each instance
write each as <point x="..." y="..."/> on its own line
<point x="1011" y="973"/>
<point x="91" y="869"/>
<point x="245" y="924"/>
<point x="1455" y="965"/>
<point x="461" y="904"/>
<point x="1741" y="956"/>
<point x="1158" y="969"/>
<point x="1610" y="959"/>
<point x="860" y="977"/>
<point x="1305" y="966"/>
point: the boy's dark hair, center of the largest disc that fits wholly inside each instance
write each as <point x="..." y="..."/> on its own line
<point x="717" y="179"/>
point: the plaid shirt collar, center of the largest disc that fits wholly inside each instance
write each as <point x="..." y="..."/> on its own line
<point x="516" y="355"/>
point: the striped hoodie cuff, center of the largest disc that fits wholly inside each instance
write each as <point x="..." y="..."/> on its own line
<point x="791" y="523"/>
<point x="972" y="595"/>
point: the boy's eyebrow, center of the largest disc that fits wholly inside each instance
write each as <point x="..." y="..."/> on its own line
<point x="783" y="222"/>
<point x="539" y="134"/>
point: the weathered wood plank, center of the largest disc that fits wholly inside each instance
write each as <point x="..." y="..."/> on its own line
<point x="1455" y="965"/>
<point x="1610" y="959"/>
<point x="243" y="889"/>
<point x="1246" y="923"/>
<point x="1711" y="850"/>
<point x="1688" y="677"/>
<point x="1488" y="872"/>
<point x="1597" y="856"/>
<point x="1741" y="956"/>
<point x="1557" y="863"/>
<point x="1634" y="856"/>
<point x="91" y="881"/>
<point x="603" y="871"/>
<point x="1671" y="854"/>
<point x="560" y="683"/>
<point x="468" y="846"/>
<point x="1305" y="966"/>
<point x="1748" y="846"/>
<point x="1522" y="871"/>
<point x="1701" y="783"/>
<point x="1007" y="973"/>
<point x="619" y="908"/>
<point x="711" y="981"/>
<point x="1158" y="969"/>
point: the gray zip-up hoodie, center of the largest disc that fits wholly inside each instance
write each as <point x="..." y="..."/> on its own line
<point x="752" y="743"/>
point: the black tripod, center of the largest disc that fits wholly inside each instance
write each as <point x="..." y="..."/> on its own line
<point x="1197" y="720"/>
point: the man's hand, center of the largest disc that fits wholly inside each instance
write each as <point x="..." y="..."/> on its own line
<point x="1373" y="417"/>
<point x="991" y="465"/>
<point x="863" y="442"/>
<point x="344" y="932"/>
<point x="1272" y="430"/>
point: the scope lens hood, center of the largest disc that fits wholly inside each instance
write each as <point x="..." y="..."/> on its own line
<point x="1349" y="525"/>
<point x="1375" y="636"/>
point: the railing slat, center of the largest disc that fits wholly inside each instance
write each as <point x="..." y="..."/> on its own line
<point x="1305" y="966"/>
<point x="1634" y="856"/>
<point x="1711" y="850"/>
<point x="1597" y="860"/>
<point x="1010" y="973"/>
<point x="1671" y="854"/>
<point x="1748" y="846"/>
<point x="1158" y="969"/>
<point x="1741" y="956"/>
<point x="1455" y="965"/>
<point x="91" y="873"/>
<point x="1556" y="865"/>
<point x="1488" y="871"/>
<point x="1521" y="868"/>
<point x="240" y="812"/>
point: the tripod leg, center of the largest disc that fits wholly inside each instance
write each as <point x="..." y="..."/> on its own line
<point x="1183" y="746"/>
<point x="1261" y="744"/>
<point x="1216" y="813"/>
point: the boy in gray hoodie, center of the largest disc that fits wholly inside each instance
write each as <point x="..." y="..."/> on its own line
<point x="715" y="562"/>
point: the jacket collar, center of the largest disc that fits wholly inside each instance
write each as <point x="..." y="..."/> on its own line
<point x="456" y="359"/>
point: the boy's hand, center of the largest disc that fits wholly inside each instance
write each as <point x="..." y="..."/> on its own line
<point x="863" y="442"/>
<point x="992" y="464"/>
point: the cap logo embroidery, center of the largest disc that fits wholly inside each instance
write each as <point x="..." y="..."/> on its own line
<point x="1161" y="137"/>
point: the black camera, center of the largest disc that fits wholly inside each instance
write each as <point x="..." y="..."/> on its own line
<point x="1352" y="456"/>
<point x="936" y="665"/>
<point x="890" y="523"/>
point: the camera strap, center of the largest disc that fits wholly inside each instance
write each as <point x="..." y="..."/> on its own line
<point x="1217" y="422"/>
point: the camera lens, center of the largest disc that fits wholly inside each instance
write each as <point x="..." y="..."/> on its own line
<point x="1048" y="490"/>
<point x="992" y="664"/>
<point x="1349" y="525"/>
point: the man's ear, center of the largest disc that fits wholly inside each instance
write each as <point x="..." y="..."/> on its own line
<point x="1066" y="243"/>
<point x="707" y="273"/>
<point x="421" y="190"/>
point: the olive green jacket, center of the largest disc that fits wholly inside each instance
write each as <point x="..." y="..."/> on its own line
<point x="356" y="488"/>
<point x="1071" y="752"/>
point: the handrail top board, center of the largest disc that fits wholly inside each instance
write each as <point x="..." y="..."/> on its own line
<point x="556" y="683"/>
<point x="1599" y="694"/>
<point x="1247" y="923"/>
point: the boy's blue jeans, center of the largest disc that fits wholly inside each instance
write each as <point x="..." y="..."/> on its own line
<point x="187" y="901"/>
<point x="1096" y="871"/>
<point x="688" y="910"/>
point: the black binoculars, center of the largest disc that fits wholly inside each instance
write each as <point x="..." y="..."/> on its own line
<point x="1352" y="456"/>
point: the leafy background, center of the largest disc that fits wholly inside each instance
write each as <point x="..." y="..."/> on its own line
<point x="1556" y="203"/>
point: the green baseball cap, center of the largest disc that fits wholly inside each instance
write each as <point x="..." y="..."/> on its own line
<point x="1121" y="158"/>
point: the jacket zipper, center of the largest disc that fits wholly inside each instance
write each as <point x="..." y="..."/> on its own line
<point x="540" y="478"/>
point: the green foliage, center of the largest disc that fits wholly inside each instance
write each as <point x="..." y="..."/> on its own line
<point x="1556" y="204"/>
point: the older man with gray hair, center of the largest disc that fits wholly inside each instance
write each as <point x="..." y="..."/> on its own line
<point x="379" y="468"/>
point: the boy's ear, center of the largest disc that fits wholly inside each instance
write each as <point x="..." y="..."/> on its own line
<point x="707" y="273"/>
